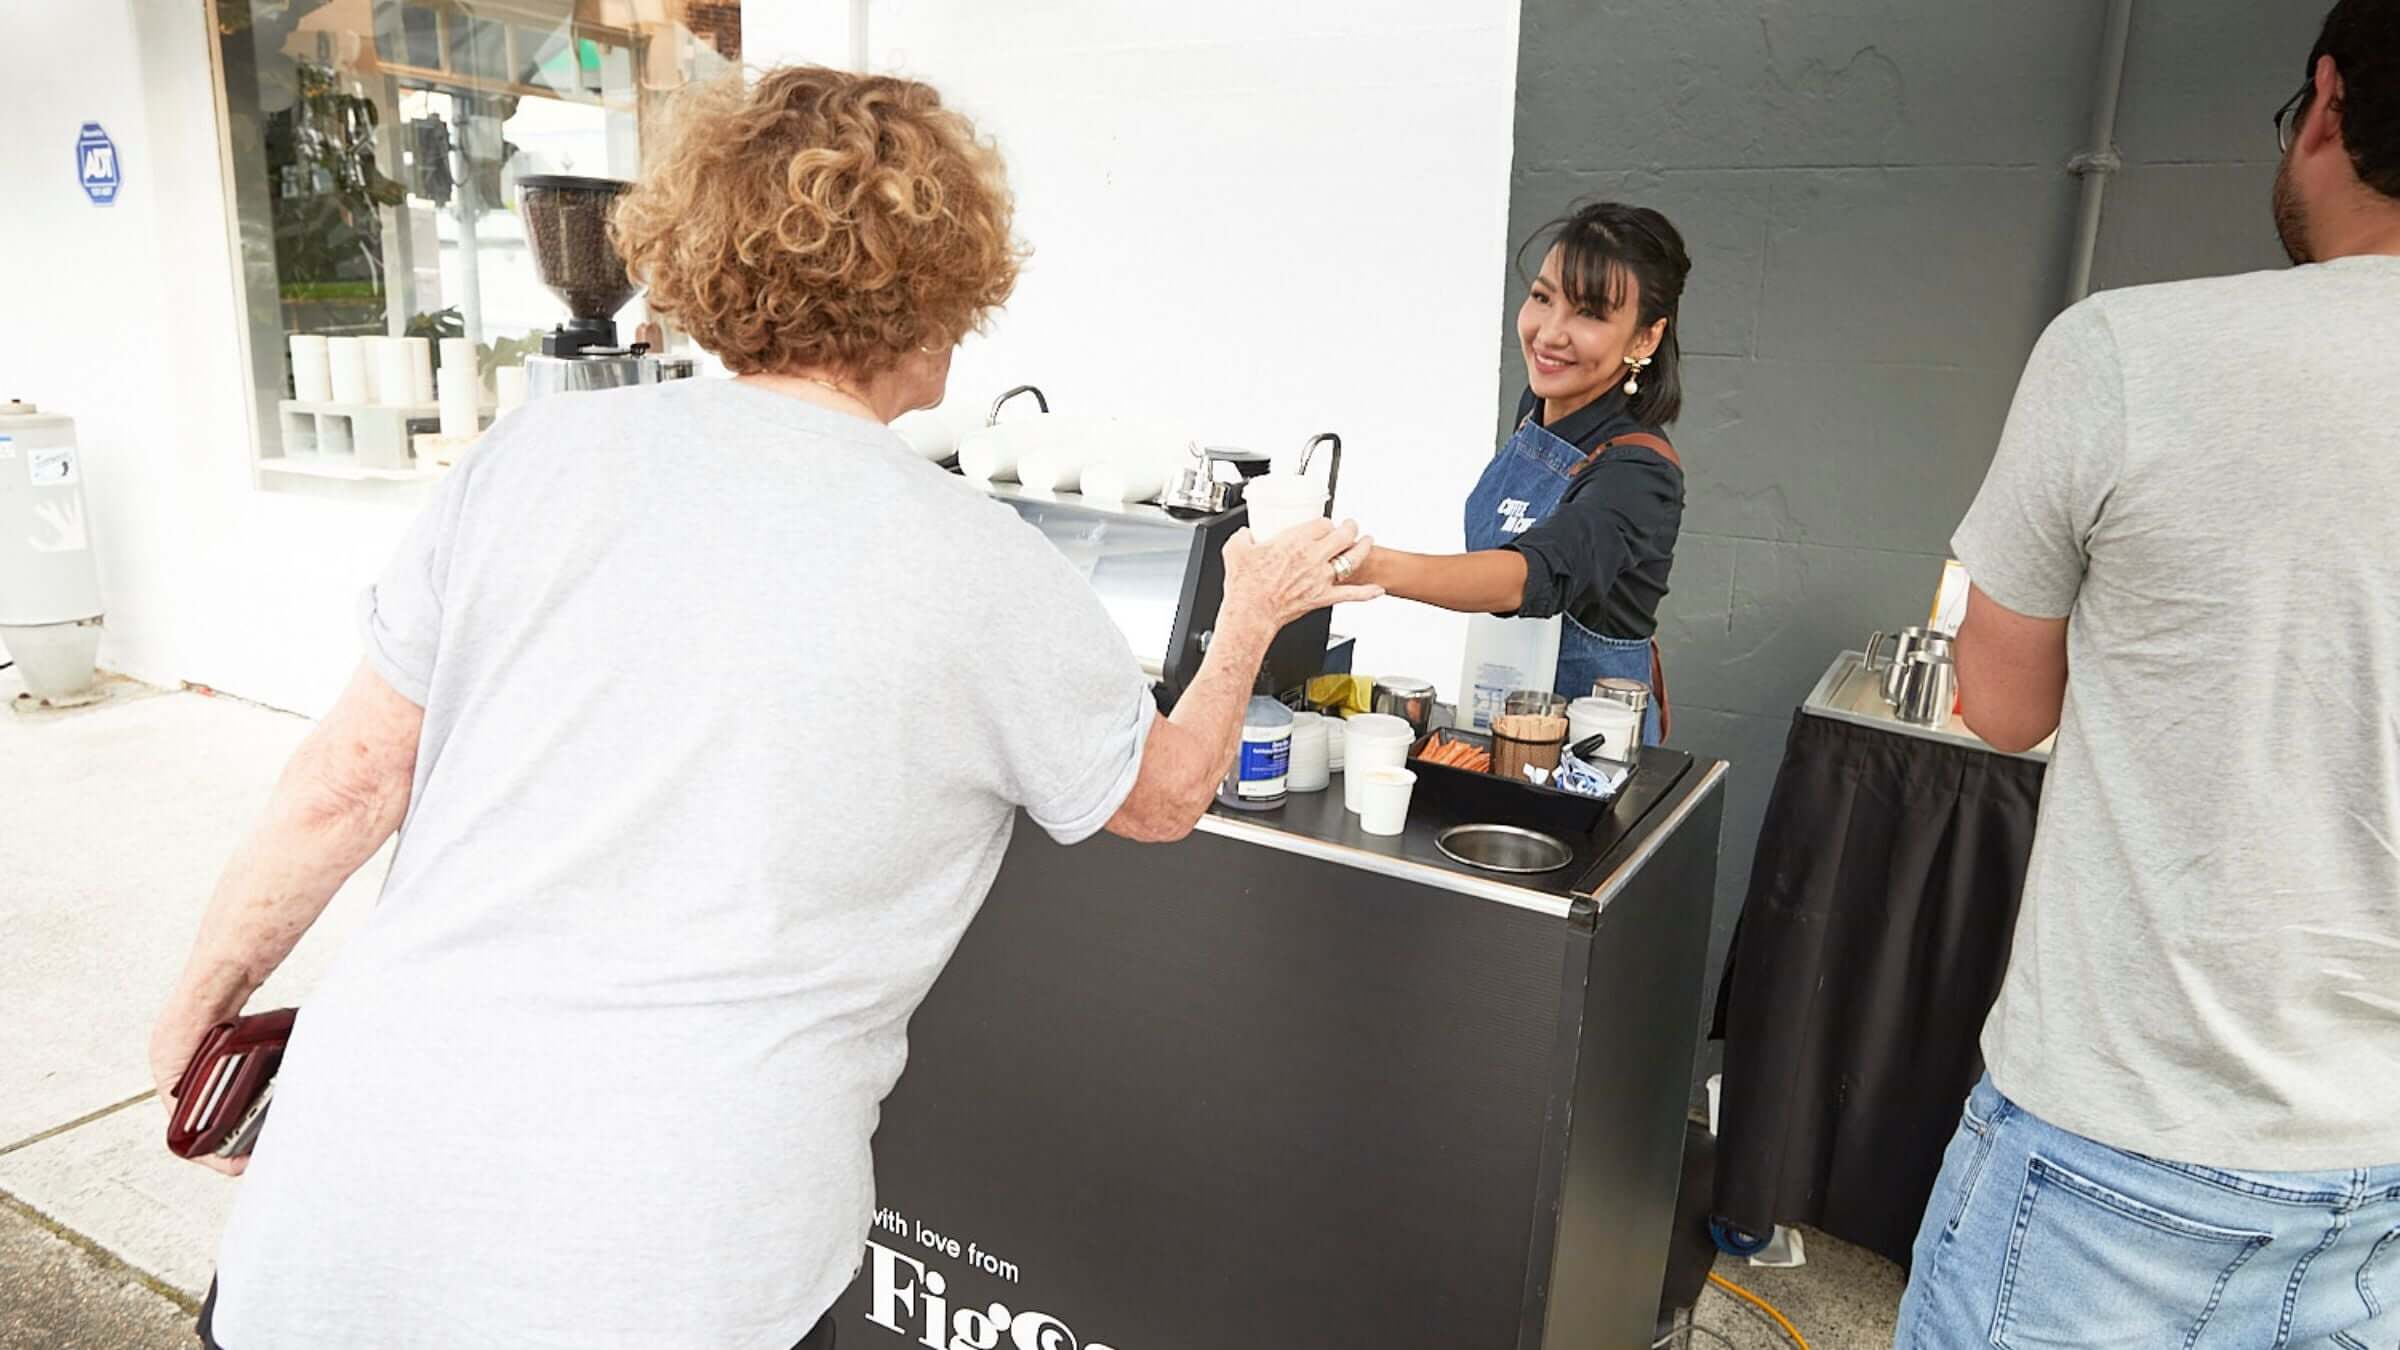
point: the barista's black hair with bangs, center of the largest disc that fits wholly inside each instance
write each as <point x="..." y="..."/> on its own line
<point x="1604" y="247"/>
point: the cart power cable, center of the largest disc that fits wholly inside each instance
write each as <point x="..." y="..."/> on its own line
<point x="1763" y="1306"/>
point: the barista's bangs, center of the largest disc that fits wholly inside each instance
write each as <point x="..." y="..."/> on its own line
<point x="1591" y="267"/>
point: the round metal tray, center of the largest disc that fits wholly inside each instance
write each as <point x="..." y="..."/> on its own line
<point x="1504" y="848"/>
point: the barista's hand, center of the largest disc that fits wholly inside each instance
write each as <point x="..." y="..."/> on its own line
<point x="1292" y="574"/>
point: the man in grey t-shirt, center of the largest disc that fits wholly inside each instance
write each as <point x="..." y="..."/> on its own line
<point x="2184" y="564"/>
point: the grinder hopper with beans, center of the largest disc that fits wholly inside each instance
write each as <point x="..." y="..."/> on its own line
<point x="566" y="221"/>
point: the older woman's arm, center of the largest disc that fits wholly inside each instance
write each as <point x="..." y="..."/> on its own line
<point x="343" y="793"/>
<point x="1266" y="586"/>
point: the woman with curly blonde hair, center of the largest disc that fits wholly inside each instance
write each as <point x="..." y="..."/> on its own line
<point x="602" y="1067"/>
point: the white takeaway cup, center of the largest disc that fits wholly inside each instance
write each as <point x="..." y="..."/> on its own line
<point x="1383" y="800"/>
<point x="1372" y="741"/>
<point x="1279" y="501"/>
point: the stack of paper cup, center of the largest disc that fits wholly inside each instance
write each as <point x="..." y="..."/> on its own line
<point x="395" y="380"/>
<point x="1383" y="799"/>
<point x="346" y="367"/>
<point x="458" y="401"/>
<point x="1373" y="741"/>
<point x="508" y="382"/>
<point x="312" y="379"/>
<point x="420" y="370"/>
<point x="1310" y="771"/>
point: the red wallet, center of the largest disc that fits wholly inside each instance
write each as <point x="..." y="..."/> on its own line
<point x="222" y="1097"/>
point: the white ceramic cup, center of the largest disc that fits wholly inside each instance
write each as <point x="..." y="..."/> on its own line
<point x="1114" y="482"/>
<point x="508" y="383"/>
<point x="312" y="378"/>
<point x="1279" y="501"/>
<point x="346" y="365"/>
<point x="458" y="354"/>
<point x="457" y="404"/>
<point x="1372" y="741"/>
<point x="420" y="370"/>
<point x="1383" y="799"/>
<point x="1311" y="770"/>
<point x="395" y="374"/>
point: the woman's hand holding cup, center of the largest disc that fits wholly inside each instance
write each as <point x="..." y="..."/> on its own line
<point x="1277" y="580"/>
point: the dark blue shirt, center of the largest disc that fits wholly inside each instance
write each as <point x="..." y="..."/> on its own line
<point x="1604" y="554"/>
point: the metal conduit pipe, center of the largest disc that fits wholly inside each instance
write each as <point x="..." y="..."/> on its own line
<point x="2094" y="165"/>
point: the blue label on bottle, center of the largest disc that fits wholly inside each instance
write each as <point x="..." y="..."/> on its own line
<point x="1263" y="766"/>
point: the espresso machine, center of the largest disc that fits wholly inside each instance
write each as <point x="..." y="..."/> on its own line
<point x="566" y="222"/>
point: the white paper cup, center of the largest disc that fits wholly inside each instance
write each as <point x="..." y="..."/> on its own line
<point x="1383" y="799"/>
<point x="1370" y="742"/>
<point x="312" y="378"/>
<point x="1279" y="501"/>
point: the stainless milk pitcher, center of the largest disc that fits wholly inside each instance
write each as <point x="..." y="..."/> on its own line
<point x="1928" y="688"/>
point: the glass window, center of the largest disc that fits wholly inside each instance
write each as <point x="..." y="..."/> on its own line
<point x="376" y="146"/>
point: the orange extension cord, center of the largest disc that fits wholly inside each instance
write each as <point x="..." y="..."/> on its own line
<point x="1762" y="1305"/>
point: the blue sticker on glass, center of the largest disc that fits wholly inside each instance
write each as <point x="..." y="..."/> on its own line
<point x="96" y="165"/>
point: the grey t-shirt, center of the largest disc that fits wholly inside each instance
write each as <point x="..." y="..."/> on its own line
<point x="2204" y="479"/>
<point x="730" y="702"/>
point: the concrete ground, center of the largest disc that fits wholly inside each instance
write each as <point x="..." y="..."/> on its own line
<point x="114" y="821"/>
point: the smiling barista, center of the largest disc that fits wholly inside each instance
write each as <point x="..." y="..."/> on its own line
<point x="1577" y="514"/>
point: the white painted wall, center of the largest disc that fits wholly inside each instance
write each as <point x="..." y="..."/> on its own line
<point x="1271" y="218"/>
<point x="126" y="317"/>
<point x="1274" y="218"/>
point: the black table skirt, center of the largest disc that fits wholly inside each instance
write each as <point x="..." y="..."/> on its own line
<point x="1871" y="945"/>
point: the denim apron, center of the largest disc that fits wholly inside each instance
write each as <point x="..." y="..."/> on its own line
<point x="1525" y="482"/>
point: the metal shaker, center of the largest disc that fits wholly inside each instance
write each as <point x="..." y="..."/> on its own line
<point x="1633" y="694"/>
<point x="1927" y="689"/>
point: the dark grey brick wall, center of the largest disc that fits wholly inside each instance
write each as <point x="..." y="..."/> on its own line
<point x="1880" y="218"/>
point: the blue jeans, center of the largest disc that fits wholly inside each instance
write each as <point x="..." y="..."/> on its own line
<point x="2038" y="1238"/>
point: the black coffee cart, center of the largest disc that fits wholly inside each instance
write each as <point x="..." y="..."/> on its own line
<point x="1285" y="1084"/>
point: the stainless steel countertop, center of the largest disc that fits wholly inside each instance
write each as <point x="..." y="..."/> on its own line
<point x="1849" y="693"/>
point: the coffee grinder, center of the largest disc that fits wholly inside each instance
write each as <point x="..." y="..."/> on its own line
<point x="566" y="221"/>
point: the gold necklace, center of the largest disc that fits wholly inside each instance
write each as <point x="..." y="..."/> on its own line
<point x="849" y="394"/>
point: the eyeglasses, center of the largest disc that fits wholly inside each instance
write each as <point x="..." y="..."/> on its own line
<point x="2288" y="117"/>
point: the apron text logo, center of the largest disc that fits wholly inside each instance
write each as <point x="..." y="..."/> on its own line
<point x="906" y="1299"/>
<point x="1513" y="519"/>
